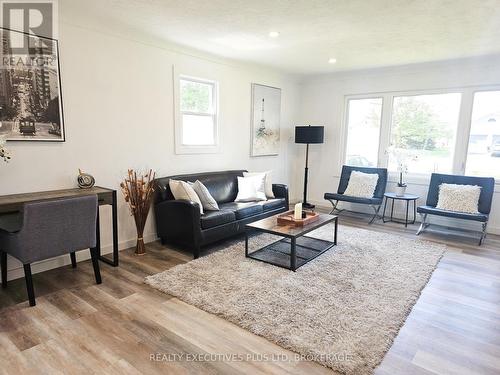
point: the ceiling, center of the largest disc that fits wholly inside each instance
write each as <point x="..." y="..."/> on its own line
<point x="358" y="33"/>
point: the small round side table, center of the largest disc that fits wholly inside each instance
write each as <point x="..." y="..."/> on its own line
<point x="408" y="198"/>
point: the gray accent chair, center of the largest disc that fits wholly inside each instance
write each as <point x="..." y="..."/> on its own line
<point x="48" y="229"/>
<point x="378" y="196"/>
<point x="487" y="189"/>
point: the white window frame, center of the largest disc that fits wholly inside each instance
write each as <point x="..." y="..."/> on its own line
<point x="345" y="128"/>
<point x="461" y="138"/>
<point x="469" y="109"/>
<point x="430" y="92"/>
<point x="180" y="147"/>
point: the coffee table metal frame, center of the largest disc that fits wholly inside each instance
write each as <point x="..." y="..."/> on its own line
<point x="314" y="246"/>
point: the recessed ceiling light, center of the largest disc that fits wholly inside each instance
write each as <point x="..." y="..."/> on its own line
<point x="332" y="60"/>
<point x="274" y="34"/>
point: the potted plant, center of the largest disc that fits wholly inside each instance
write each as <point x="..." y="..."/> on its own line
<point x="4" y="153"/>
<point x="401" y="186"/>
<point x="138" y="192"/>
<point x="401" y="157"/>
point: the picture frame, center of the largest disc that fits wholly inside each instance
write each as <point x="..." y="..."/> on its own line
<point x="265" y="120"/>
<point x="31" y="106"/>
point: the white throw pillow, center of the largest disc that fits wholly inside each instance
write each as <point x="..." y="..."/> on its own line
<point x="268" y="182"/>
<point x="459" y="198"/>
<point x="208" y="202"/>
<point x="361" y="185"/>
<point x="251" y="189"/>
<point x="182" y="190"/>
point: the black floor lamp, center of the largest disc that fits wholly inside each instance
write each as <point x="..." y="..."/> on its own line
<point x="308" y="135"/>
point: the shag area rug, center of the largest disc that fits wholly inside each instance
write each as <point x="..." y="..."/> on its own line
<point x="343" y="309"/>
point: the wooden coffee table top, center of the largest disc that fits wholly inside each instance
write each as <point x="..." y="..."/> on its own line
<point x="270" y="225"/>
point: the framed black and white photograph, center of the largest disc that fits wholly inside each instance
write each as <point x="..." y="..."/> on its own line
<point x="30" y="88"/>
<point x="266" y="110"/>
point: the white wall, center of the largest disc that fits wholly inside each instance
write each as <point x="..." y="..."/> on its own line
<point x="323" y="103"/>
<point x="118" y="107"/>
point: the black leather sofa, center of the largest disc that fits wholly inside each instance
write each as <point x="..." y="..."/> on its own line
<point x="180" y="222"/>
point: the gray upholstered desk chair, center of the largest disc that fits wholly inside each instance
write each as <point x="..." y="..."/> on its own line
<point x="48" y="229"/>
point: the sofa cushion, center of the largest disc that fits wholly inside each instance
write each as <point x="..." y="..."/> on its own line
<point x="251" y="188"/>
<point x="222" y="186"/>
<point x="268" y="181"/>
<point x="273" y="204"/>
<point x="456" y="215"/>
<point x="361" y="185"/>
<point x="459" y="198"/>
<point x="182" y="190"/>
<point x="208" y="202"/>
<point x="243" y="209"/>
<point x="381" y="183"/>
<point x="214" y="218"/>
<point x="487" y="188"/>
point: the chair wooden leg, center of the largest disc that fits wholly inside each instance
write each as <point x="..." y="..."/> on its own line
<point x="29" y="284"/>
<point x="94" y="254"/>
<point x="3" y="262"/>
<point x="73" y="259"/>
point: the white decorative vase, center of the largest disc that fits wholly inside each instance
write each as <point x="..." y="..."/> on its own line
<point x="400" y="191"/>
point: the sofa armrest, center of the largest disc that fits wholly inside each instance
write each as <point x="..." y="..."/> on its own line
<point x="281" y="191"/>
<point x="178" y="220"/>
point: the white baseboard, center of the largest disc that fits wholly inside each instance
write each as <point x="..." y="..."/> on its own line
<point x="16" y="271"/>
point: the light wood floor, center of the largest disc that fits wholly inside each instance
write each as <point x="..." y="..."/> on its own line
<point x="78" y="327"/>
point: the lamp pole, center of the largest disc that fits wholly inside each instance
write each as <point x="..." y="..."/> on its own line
<point x="305" y="204"/>
<point x="308" y="135"/>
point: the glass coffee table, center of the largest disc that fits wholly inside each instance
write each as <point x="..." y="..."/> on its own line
<point x="295" y="248"/>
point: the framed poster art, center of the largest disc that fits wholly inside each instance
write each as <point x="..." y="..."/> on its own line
<point x="265" y="122"/>
<point x="30" y="88"/>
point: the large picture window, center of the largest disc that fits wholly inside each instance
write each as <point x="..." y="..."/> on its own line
<point x="483" y="154"/>
<point x="424" y="129"/>
<point x="363" y="131"/>
<point x="455" y="131"/>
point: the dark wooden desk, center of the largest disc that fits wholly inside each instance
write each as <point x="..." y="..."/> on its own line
<point x="14" y="203"/>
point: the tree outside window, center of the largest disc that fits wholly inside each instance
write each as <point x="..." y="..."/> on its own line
<point x="425" y="126"/>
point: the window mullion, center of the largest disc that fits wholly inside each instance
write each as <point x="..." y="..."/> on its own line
<point x="463" y="132"/>
<point x="385" y="131"/>
<point x="189" y="113"/>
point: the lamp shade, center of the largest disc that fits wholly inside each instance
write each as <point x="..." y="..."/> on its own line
<point x="309" y="134"/>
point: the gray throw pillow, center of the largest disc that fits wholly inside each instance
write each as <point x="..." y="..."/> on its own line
<point x="207" y="201"/>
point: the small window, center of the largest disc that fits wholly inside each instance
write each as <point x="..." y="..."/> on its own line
<point x="483" y="156"/>
<point x="198" y="112"/>
<point x="363" y="132"/>
<point x="424" y="128"/>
